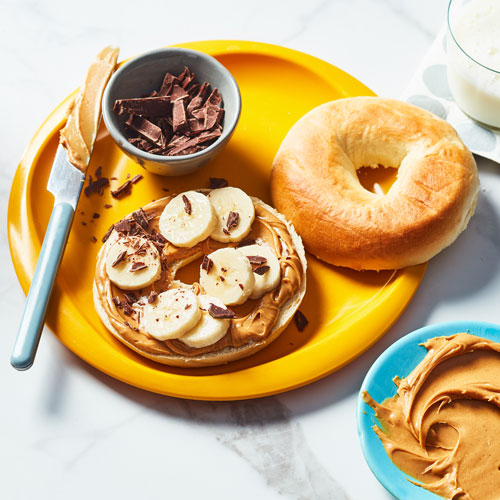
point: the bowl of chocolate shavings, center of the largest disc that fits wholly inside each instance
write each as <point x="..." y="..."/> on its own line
<point x="172" y="109"/>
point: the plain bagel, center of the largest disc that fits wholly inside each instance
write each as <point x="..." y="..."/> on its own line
<point x="315" y="185"/>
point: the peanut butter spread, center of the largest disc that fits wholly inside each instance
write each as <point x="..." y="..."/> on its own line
<point x="254" y="319"/>
<point x="80" y="131"/>
<point x="443" y="425"/>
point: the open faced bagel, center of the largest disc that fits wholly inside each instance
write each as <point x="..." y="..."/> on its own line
<point x="315" y="185"/>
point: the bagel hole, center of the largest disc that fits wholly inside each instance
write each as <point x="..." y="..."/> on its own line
<point x="377" y="179"/>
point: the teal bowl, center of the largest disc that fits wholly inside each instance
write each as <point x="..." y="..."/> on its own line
<point x="400" y="359"/>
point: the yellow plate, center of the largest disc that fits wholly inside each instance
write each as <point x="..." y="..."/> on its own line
<point x="348" y="311"/>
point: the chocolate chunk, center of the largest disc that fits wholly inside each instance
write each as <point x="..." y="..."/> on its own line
<point x="141" y="218"/>
<point x="117" y="302"/>
<point x="256" y="260"/>
<point x="178" y="94"/>
<point x="136" y="178"/>
<point x="261" y="270"/>
<point x="245" y="243"/>
<point x="122" y="190"/>
<point x="119" y="258"/>
<point x="96" y="186"/>
<point x="207" y="263"/>
<point x="108" y="233"/>
<point x="179" y="119"/>
<point x="127" y="310"/>
<point x="146" y="129"/>
<point x="188" y="306"/>
<point x="98" y="172"/>
<point x="130" y="297"/>
<point x="149" y="107"/>
<point x="187" y="204"/>
<point x="218" y="182"/>
<point x="152" y="296"/>
<point x="233" y="220"/>
<point x="300" y="321"/>
<point x="241" y="286"/>
<point x="137" y="266"/>
<point x="220" y="312"/>
<point x="123" y="226"/>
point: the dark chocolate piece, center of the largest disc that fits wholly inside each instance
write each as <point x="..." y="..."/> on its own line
<point x="136" y="178"/>
<point x="218" y="182"/>
<point x="141" y="218"/>
<point x="122" y="190"/>
<point x="149" y="107"/>
<point x="123" y="226"/>
<point x="98" y="172"/>
<point x="220" y="312"/>
<point x="207" y="263"/>
<point x="187" y="204"/>
<point x="146" y="129"/>
<point x="245" y="243"/>
<point x="119" y="258"/>
<point x="300" y="321"/>
<point x="152" y="296"/>
<point x="108" y="233"/>
<point x="96" y="186"/>
<point x="117" y="302"/>
<point x="108" y="205"/>
<point x="179" y="119"/>
<point x="256" y="260"/>
<point x="137" y="266"/>
<point x="95" y="215"/>
<point x="261" y="270"/>
<point x="233" y="219"/>
<point x="130" y="297"/>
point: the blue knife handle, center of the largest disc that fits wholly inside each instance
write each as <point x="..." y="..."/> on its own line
<point x="28" y="336"/>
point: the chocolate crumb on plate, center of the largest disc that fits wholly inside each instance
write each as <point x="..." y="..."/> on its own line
<point x="300" y="320"/>
<point x="108" y="205"/>
<point x="95" y="215"/>
<point x="220" y="312"/>
<point x="96" y="186"/>
<point x="122" y="190"/>
<point x="94" y="239"/>
<point x="136" y="178"/>
<point x="98" y="172"/>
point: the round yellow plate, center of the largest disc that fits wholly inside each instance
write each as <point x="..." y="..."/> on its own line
<point x="348" y="311"/>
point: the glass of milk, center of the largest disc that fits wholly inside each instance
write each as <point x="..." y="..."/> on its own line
<point x="473" y="48"/>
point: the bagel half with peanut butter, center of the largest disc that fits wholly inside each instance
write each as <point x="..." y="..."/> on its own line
<point x="314" y="183"/>
<point x="252" y="277"/>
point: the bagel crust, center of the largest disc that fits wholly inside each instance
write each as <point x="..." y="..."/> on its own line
<point x="315" y="185"/>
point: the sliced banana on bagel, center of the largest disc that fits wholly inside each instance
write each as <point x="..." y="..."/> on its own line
<point x="227" y="275"/>
<point x="133" y="262"/>
<point x="187" y="219"/>
<point x="266" y="268"/>
<point x="235" y="214"/>
<point x="210" y="329"/>
<point x="174" y="313"/>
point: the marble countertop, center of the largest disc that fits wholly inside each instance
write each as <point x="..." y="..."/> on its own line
<point x="69" y="431"/>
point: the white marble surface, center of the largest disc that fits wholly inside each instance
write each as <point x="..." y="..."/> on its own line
<point x="68" y="431"/>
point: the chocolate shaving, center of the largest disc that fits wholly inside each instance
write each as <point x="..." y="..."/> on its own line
<point x="256" y="260"/>
<point x="137" y="266"/>
<point x="136" y="178"/>
<point x="233" y="220"/>
<point x="245" y="243"/>
<point x="207" y="263"/>
<point x="141" y="218"/>
<point x="122" y="226"/>
<point x="119" y="258"/>
<point x="188" y="306"/>
<point x="187" y="204"/>
<point x="108" y="233"/>
<point x="98" y="172"/>
<point x="96" y="186"/>
<point x="127" y="310"/>
<point x="152" y="296"/>
<point x="300" y="321"/>
<point x="261" y="270"/>
<point x="220" y="312"/>
<point x="116" y="301"/>
<point x="218" y="182"/>
<point x="241" y="286"/>
<point x="130" y="297"/>
<point x="122" y="190"/>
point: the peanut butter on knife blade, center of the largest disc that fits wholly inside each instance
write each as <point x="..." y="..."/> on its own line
<point x="80" y="131"/>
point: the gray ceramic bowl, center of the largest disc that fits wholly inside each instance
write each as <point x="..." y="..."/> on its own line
<point x="143" y="74"/>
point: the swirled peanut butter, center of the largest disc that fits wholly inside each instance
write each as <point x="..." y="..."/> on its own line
<point x="443" y="425"/>
<point x="80" y="131"/>
<point x="254" y="319"/>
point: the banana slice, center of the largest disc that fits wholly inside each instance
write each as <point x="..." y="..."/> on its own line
<point x="266" y="267"/>
<point x="227" y="275"/>
<point x="132" y="263"/>
<point x="235" y="214"/>
<point x="187" y="219"/>
<point x="209" y="329"/>
<point x="174" y="313"/>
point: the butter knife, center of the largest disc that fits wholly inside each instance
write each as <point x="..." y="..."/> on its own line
<point x="65" y="183"/>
